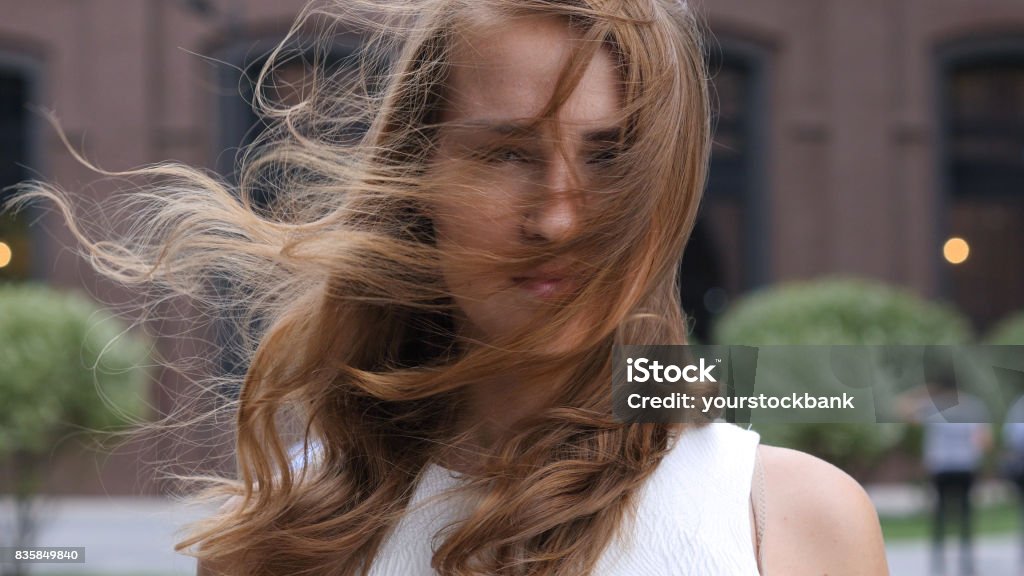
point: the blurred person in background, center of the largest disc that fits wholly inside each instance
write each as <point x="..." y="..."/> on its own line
<point x="1013" y="462"/>
<point x="956" y="438"/>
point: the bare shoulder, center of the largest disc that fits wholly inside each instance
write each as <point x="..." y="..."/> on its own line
<point x="818" y="520"/>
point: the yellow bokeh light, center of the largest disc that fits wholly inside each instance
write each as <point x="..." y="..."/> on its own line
<point x="5" y="254"/>
<point x="956" y="250"/>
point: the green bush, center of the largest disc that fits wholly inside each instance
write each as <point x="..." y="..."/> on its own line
<point x="835" y="311"/>
<point x="839" y="311"/>
<point x="66" y="365"/>
<point x="1009" y="331"/>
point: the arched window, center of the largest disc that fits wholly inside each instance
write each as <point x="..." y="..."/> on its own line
<point x="726" y="253"/>
<point x="240" y="125"/>
<point x="16" y="92"/>
<point x="982" y="244"/>
<point x="287" y="83"/>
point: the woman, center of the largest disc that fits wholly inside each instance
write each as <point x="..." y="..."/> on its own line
<point x="437" y="307"/>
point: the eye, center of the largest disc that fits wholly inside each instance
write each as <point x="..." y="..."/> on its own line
<point x="507" y="155"/>
<point x="604" y="155"/>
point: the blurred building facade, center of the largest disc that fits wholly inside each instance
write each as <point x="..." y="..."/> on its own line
<point x="853" y="138"/>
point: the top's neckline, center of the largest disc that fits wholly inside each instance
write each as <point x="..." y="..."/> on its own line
<point x="435" y="474"/>
<point x="433" y="470"/>
<point x="436" y="480"/>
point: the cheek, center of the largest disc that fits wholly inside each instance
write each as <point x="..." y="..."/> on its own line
<point x="466" y="236"/>
<point x="476" y="214"/>
<point x="477" y="219"/>
<point x="484" y="296"/>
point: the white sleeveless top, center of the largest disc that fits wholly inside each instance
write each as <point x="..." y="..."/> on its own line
<point x="693" y="514"/>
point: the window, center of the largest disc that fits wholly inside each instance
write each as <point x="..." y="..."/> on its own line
<point x="16" y="255"/>
<point x="983" y="245"/>
<point x="725" y="254"/>
<point x="241" y="125"/>
<point x="286" y="84"/>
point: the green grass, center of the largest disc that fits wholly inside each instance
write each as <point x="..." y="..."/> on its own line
<point x="1002" y="519"/>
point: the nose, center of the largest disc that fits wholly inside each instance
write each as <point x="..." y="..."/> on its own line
<point x="555" y="215"/>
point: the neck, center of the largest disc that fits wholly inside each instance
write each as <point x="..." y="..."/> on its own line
<point x="493" y="412"/>
<point x="496" y="407"/>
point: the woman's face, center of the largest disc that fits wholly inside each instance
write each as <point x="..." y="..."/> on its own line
<point x="494" y="161"/>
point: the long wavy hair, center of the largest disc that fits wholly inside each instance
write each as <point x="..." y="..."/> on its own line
<point x="345" y="322"/>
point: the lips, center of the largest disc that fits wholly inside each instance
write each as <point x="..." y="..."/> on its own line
<point x="546" y="287"/>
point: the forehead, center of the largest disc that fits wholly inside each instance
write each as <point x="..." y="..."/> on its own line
<point x="511" y="70"/>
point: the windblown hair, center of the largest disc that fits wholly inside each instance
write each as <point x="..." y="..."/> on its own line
<point x="346" y="322"/>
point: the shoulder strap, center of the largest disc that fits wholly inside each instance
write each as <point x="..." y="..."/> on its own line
<point x="758" y="507"/>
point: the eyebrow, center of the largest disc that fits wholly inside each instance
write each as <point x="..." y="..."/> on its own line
<point x="613" y="134"/>
<point x="521" y="129"/>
